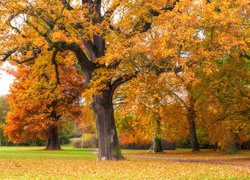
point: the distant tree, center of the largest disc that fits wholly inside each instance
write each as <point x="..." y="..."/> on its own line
<point x="150" y="110"/>
<point x="4" y="109"/>
<point x="224" y="102"/>
<point x="37" y="111"/>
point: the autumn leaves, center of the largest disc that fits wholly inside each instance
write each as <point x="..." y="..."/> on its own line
<point x="165" y="48"/>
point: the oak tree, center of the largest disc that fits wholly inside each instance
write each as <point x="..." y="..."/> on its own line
<point x="36" y="111"/>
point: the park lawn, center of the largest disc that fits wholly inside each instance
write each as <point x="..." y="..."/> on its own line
<point x="71" y="163"/>
<point x="203" y="154"/>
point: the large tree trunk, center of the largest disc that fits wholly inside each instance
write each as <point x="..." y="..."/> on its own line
<point x="102" y="102"/>
<point x="108" y="142"/>
<point x="192" y="129"/>
<point x="52" y="139"/>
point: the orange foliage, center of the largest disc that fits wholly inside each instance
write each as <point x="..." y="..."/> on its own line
<point x="35" y="107"/>
<point x="126" y="37"/>
<point x="224" y="106"/>
<point x="148" y="107"/>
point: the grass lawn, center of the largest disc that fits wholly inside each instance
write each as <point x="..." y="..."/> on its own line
<point x="71" y="163"/>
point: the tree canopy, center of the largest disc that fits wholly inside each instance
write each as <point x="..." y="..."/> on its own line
<point x="114" y="41"/>
<point x="36" y="110"/>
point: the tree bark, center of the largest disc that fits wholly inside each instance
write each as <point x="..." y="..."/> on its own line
<point x="108" y="142"/>
<point x="232" y="148"/>
<point x="52" y="139"/>
<point x="232" y="145"/>
<point x="192" y="129"/>
<point x="102" y="102"/>
<point x="1" y="137"/>
<point x="156" y="143"/>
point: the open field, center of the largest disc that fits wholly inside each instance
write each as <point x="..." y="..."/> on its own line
<point x="71" y="163"/>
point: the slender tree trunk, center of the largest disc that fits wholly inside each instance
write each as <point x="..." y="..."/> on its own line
<point x="52" y="139"/>
<point x="108" y="142"/>
<point x="1" y="137"/>
<point x="192" y="129"/>
<point x="232" y="147"/>
<point x="156" y="145"/>
<point x="156" y="142"/>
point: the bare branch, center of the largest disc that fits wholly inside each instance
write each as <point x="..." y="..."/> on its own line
<point x="86" y="65"/>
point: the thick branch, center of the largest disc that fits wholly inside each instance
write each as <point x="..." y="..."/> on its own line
<point x="87" y="2"/>
<point x="81" y="56"/>
<point x="67" y="5"/>
<point x="27" y="59"/>
<point x="8" y="54"/>
<point x="122" y="80"/>
<point x="86" y="65"/>
<point x="88" y="45"/>
<point x="154" y="13"/>
<point x="36" y="52"/>
<point x="53" y="59"/>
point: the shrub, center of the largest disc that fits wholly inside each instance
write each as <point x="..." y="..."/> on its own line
<point x="87" y="141"/>
<point x="166" y="145"/>
<point x="135" y="145"/>
<point x="64" y="140"/>
<point x="246" y="145"/>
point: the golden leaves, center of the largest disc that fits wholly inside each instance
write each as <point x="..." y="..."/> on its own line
<point x="188" y="36"/>
<point x="33" y="103"/>
<point x="33" y="163"/>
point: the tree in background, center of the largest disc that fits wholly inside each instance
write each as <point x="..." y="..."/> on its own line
<point x="37" y="112"/>
<point x="150" y="109"/>
<point x="186" y="43"/>
<point x="87" y="123"/>
<point x="224" y="102"/>
<point x="4" y="109"/>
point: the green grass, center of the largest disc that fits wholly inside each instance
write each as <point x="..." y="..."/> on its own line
<point x="19" y="152"/>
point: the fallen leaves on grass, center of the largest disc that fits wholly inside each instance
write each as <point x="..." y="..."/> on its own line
<point x="128" y="169"/>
